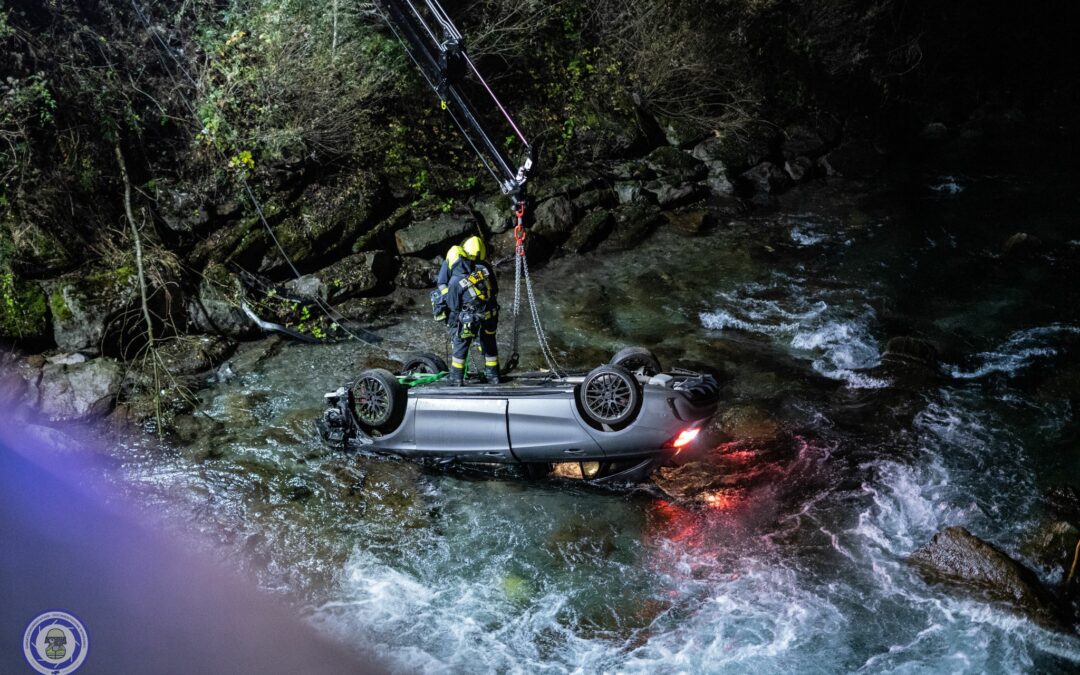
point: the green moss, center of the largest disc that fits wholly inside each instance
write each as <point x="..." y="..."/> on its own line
<point x="23" y="310"/>
<point x="58" y="306"/>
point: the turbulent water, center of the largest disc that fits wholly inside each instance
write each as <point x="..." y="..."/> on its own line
<point x="799" y="564"/>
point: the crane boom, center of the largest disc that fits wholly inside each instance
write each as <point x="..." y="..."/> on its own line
<point x="437" y="47"/>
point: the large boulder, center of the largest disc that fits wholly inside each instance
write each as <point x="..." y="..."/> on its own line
<point x="670" y="192"/>
<point x="553" y="218"/>
<point x="628" y="191"/>
<point x="690" y="223"/>
<point x="357" y="274"/>
<point x="495" y="212"/>
<point x="89" y="310"/>
<point x="588" y="233"/>
<point x="216" y="307"/>
<point x="79" y="392"/>
<point x="433" y="236"/>
<point x="956" y="556"/>
<point x="767" y="179"/>
<point x="633" y="225"/>
<point x="905" y="352"/>
<point x="668" y="161"/>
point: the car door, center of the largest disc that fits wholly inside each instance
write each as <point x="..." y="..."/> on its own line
<point x="460" y="426"/>
<point x="546" y="428"/>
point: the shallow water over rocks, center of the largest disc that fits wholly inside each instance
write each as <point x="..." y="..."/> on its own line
<point x="779" y="544"/>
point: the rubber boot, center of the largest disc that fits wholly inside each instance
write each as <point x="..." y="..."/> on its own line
<point x="456" y="378"/>
<point x="491" y="375"/>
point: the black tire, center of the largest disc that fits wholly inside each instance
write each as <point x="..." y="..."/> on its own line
<point x="379" y="399"/>
<point x="609" y="396"/>
<point x="637" y="358"/>
<point x="423" y="363"/>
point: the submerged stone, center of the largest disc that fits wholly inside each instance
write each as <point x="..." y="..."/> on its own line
<point x="956" y="556"/>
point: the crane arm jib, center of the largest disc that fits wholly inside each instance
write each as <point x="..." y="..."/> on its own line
<point x="438" y="48"/>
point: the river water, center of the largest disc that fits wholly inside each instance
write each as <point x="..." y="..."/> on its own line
<point x="798" y="562"/>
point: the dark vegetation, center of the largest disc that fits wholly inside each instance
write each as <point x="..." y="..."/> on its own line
<point x="314" y="108"/>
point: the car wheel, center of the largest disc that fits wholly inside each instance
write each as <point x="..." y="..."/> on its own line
<point x="637" y="358"/>
<point x="609" y="396"/>
<point x="423" y="364"/>
<point x="379" y="399"/>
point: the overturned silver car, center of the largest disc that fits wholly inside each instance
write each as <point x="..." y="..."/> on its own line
<point x="612" y="424"/>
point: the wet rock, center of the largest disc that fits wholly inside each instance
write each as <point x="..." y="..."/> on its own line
<point x="799" y="168"/>
<point x="1063" y="501"/>
<point x="79" y="392"/>
<point x="297" y="490"/>
<point x="628" y="192"/>
<point x="710" y="151"/>
<point x="717" y="182"/>
<point x="671" y="192"/>
<point x="553" y="218"/>
<point x="766" y="178"/>
<point x="433" y="236"/>
<point x="517" y="589"/>
<point x="632" y="170"/>
<point x="357" y="274"/>
<point x="195" y="354"/>
<point x="685" y="482"/>
<point x="50" y="440"/>
<point x="1022" y="246"/>
<point x="1053" y="546"/>
<point x="307" y="287"/>
<point x="668" y="161"/>
<point x="590" y="231"/>
<point x="250" y="355"/>
<point x="65" y="359"/>
<point x="745" y="422"/>
<point x="193" y="428"/>
<point x="496" y="213"/>
<point x="88" y="310"/>
<point x="592" y="199"/>
<point x="416" y="273"/>
<point x="576" y="540"/>
<point x="216" y="306"/>
<point x="690" y="223"/>
<point x="633" y="225"/>
<point x="905" y="352"/>
<point x="956" y="556"/>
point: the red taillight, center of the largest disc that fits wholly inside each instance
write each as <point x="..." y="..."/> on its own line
<point x="685" y="437"/>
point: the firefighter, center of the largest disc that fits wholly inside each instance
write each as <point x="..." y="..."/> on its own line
<point x="454" y="256"/>
<point x="474" y="312"/>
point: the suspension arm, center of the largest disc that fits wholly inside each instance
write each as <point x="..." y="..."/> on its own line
<point x="437" y="47"/>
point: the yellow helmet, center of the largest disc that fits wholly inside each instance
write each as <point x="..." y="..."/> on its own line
<point x="454" y="254"/>
<point x="474" y="248"/>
